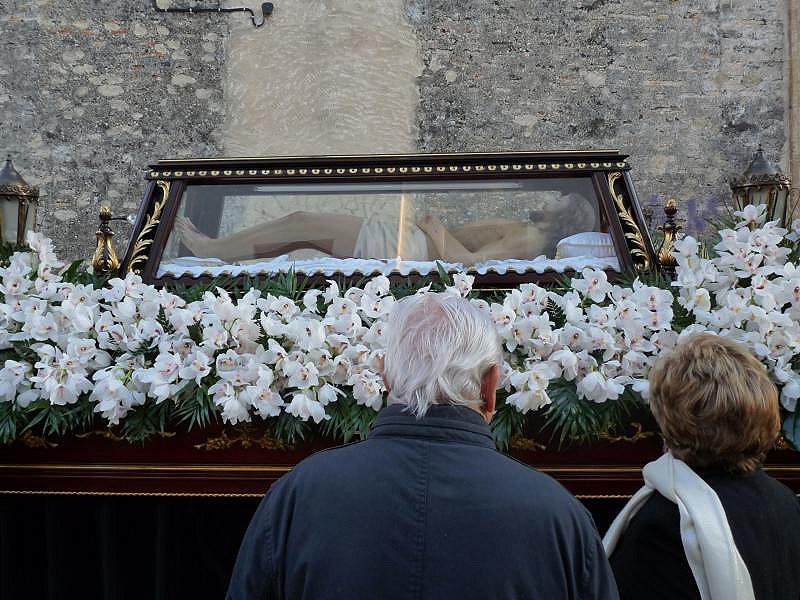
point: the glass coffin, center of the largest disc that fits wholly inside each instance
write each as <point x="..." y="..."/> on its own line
<point x="502" y="217"/>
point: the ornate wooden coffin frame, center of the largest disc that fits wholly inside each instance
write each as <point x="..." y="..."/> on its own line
<point x="608" y="170"/>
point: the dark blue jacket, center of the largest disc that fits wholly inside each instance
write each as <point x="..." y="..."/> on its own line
<point x="421" y="509"/>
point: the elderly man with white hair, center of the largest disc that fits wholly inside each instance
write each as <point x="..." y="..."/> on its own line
<point x="425" y="507"/>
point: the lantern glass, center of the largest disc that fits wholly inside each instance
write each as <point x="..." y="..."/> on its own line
<point x="779" y="206"/>
<point x="9" y="205"/>
<point x="30" y="219"/>
<point x="760" y="195"/>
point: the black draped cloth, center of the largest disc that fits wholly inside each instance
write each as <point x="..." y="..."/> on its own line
<point x="119" y="548"/>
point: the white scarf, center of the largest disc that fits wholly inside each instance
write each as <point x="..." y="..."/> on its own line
<point x="716" y="564"/>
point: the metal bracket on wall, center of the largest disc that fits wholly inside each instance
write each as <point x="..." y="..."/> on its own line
<point x="266" y="10"/>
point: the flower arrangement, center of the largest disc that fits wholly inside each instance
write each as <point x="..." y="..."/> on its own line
<point x="77" y="349"/>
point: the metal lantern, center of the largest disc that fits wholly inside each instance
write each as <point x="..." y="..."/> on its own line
<point x="763" y="183"/>
<point x="18" y="202"/>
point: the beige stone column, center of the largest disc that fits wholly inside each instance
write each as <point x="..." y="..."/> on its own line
<point x="793" y="96"/>
<point x="323" y="77"/>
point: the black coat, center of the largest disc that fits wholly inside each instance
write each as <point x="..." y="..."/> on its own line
<point x="764" y="517"/>
<point x="421" y="509"/>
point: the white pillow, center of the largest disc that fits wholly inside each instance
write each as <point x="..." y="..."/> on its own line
<point x="586" y="243"/>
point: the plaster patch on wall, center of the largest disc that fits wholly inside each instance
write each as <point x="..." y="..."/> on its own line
<point x="323" y="77"/>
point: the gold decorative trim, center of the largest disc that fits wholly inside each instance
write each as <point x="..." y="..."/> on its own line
<point x="670" y="229"/>
<point x="603" y="496"/>
<point x="144" y="467"/>
<point x="633" y="234"/>
<point x="150" y="494"/>
<point x="522" y="443"/>
<point x="389" y="170"/>
<point x="110" y="435"/>
<point x="247" y="436"/>
<point x="145" y="239"/>
<point x="33" y="441"/>
<point x="639" y="434"/>
<point x="105" y="256"/>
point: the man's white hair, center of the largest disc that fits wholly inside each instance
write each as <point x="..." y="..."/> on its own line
<point x="438" y="347"/>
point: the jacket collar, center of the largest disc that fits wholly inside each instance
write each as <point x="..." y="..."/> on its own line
<point x="442" y="422"/>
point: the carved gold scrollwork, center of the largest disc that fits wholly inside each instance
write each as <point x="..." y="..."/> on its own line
<point x="520" y="442"/>
<point x="639" y="434"/>
<point x="33" y="441"/>
<point x="145" y="239"/>
<point x="633" y="234"/>
<point x="105" y="257"/>
<point x="247" y="435"/>
<point x="670" y="229"/>
<point x="110" y="435"/>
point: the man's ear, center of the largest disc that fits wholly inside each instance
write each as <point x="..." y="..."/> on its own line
<point x="489" y="381"/>
<point x="382" y="367"/>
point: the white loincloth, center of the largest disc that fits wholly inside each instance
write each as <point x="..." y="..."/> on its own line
<point x="379" y="239"/>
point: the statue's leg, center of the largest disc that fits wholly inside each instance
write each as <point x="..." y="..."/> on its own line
<point x="330" y="233"/>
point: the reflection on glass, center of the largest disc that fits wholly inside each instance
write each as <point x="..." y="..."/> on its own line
<point x="464" y="223"/>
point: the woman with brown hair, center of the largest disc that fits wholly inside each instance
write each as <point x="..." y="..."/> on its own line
<point x="709" y="523"/>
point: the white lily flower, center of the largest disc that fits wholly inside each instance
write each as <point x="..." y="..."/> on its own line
<point x="751" y="215"/>
<point x="790" y="392"/>
<point x="597" y="388"/>
<point x="528" y="400"/>
<point x="568" y="361"/>
<point x="328" y="393"/>
<point x="462" y="282"/>
<point x="300" y="375"/>
<point x="355" y="295"/>
<point x="331" y="293"/>
<point x="593" y="284"/>
<point x="375" y="307"/>
<point x="197" y="367"/>
<point x="14" y="382"/>
<point x="304" y="407"/>
<point x="306" y="333"/>
<point x="368" y="390"/>
<point x="310" y="300"/>
<point x="686" y="246"/>
<point x="698" y="299"/>
<point x="377" y="286"/>
<point x="285" y="307"/>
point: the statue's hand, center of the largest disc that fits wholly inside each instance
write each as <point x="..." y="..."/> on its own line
<point x="431" y="225"/>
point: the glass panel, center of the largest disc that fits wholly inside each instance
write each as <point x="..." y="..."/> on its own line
<point x="380" y="227"/>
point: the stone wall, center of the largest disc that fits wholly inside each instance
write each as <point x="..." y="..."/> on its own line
<point x="686" y="88"/>
<point x="92" y="91"/>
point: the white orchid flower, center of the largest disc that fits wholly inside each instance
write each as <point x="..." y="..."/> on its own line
<point x="528" y="400"/>
<point x="592" y="284"/>
<point x="197" y="367"/>
<point x="310" y="300"/>
<point x="331" y="293"/>
<point x="368" y="390"/>
<point x="686" y="246"/>
<point x="304" y="407"/>
<point x="300" y="375"/>
<point x="377" y="286"/>
<point x="751" y="215"/>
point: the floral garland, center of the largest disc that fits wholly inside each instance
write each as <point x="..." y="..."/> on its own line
<point x="144" y="359"/>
